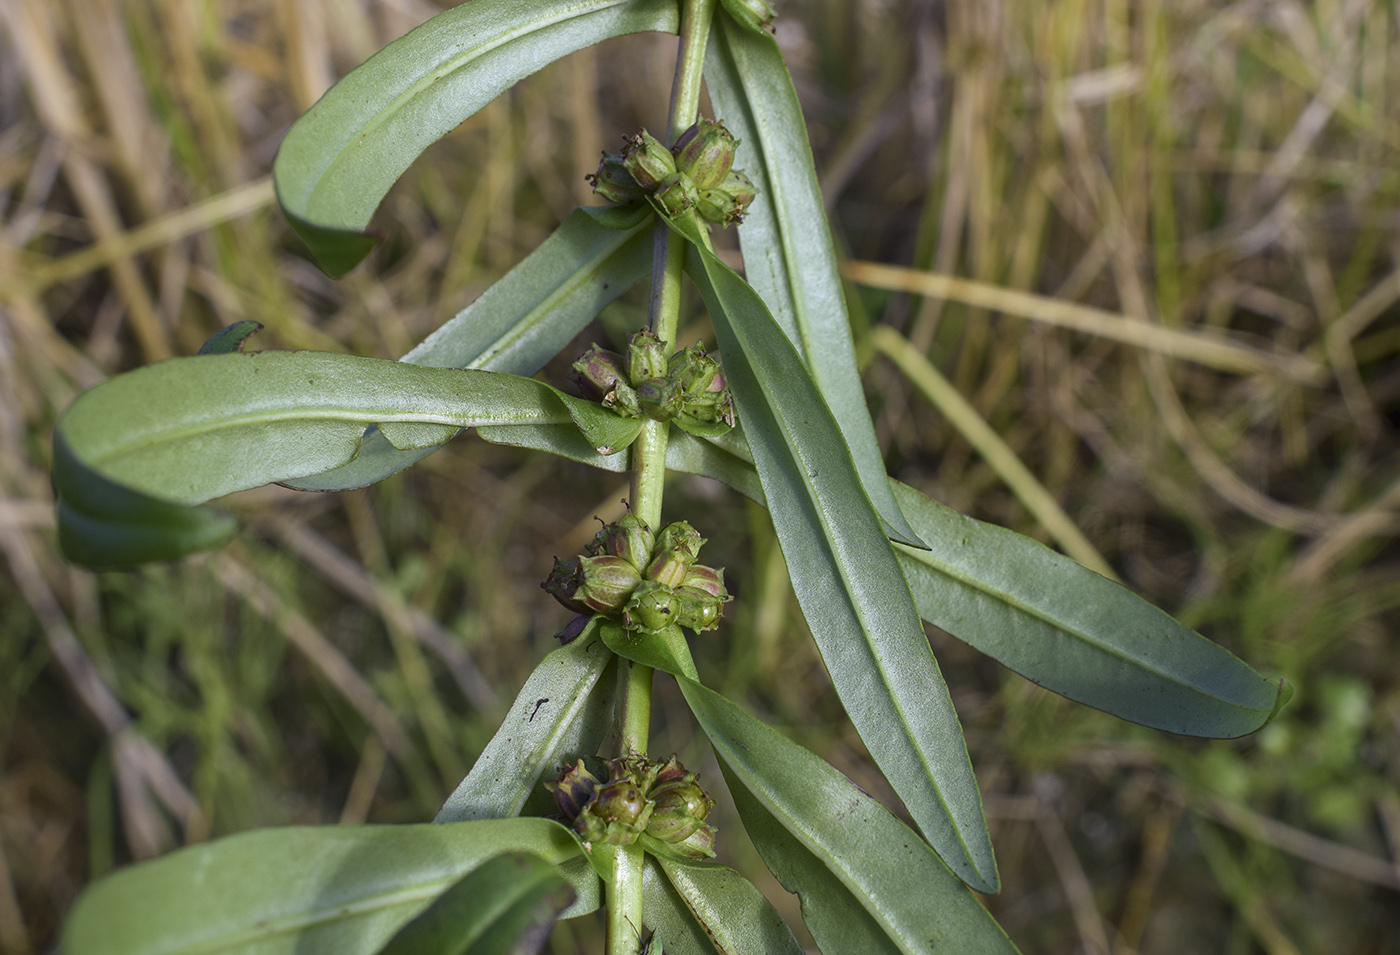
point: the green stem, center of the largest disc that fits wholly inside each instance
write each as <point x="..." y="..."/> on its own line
<point x="624" y="890"/>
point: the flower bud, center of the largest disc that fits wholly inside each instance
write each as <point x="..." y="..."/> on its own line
<point x="629" y="538"/>
<point x="646" y="357"/>
<point x="597" y="371"/>
<point x="614" y="183"/>
<point x="573" y="628"/>
<point x="708" y="580"/>
<point x="727" y="202"/>
<point x="704" y="389"/>
<point x="616" y="815"/>
<point x="700" y="844"/>
<point x="652" y="607"/>
<point x="677" y="195"/>
<point x="622" y="400"/>
<point x="754" y="14"/>
<point x="696" y="610"/>
<point x="647" y="161"/>
<point x="599" y="584"/>
<point x="659" y="398"/>
<point x="705" y="152"/>
<point x="574" y="790"/>
<point x="676" y="547"/>
<point x="680" y="809"/>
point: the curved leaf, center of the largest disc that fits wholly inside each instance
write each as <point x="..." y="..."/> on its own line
<point x="338" y="161"/>
<point x="735" y="915"/>
<point x="846" y="577"/>
<point x="190" y="429"/>
<point x="105" y="525"/>
<point x="788" y="254"/>
<point x="230" y="338"/>
<point x="342" y="889"/>
<point x="563" y="711"/>
<point x="505" y="906"/>
<point x="518" y="324"/>
<point x="1052" y="620"/>
<point x="843" y="852"/>
<point x="664" y="914"/>
<point x="664" y="650"/>
<point x="704" y="456"/>
<point x="1074" y="632"/>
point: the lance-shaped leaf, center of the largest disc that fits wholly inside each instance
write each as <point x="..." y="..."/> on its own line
<point x="846" y="577"/>
<point x="342" y="889"/>
<point x="505" y="906"/>
<point x="1052" y="620"/>
<point x="190" y="429"/>
<point x="339" y="160"/>
<point x="788" y="254"/>
<point x="564" y="711"/>
<point x="1074" y="632"/>
<point x="665" y="915"/>
<point x="737" y="919"/>
<point x="517" y="325"/>
<point x="868" y="883"/>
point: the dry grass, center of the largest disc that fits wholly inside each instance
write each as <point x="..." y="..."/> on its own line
<point x="1156" y="247"/>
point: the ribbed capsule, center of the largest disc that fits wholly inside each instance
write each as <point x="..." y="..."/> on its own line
<point x="705" y="152"/>
<point x="647" y="161"/>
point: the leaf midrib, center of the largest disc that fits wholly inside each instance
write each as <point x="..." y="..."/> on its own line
<point x="1000" y="596"/>
<point x="814" y="504"/>
<point x="171" y="435"/>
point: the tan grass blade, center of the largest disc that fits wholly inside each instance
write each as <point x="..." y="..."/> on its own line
<point x="971" y="425"/>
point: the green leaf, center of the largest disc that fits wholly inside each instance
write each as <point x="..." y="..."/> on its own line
<point x="564" y="711"/>
<point x="665" y="650"/>
<point x="867" y="882"/>
<point x="736" y="917"/>
<point x="846" y="577"/>
<point x="517" y="325"/>
<point x="1074" y="632"/>
<point x="190" y="429"/>
<point x="692" y="455"/>
<point x="338" y="161"/>
<point x="788" y="254"/>
<point x="505" y="906"/>
<point x="665" y="914"/>
<point x="105" y="525"/>
<point x="1052" y="620"/>
<point x="229" y="338"/>
<point x="342" y="889"/>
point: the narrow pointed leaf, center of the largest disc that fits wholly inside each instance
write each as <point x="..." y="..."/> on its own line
<point x="519" y="323"/>
<point x="868" y="883"/>
<point x="564" y="711"/>
<point x="665" y="915"/>
<point x="190" y="429"/>
<point x="846" y="577"/>
<point x="734" y="914"/>
<point x="339" y="160"/>
<point x="1055" y="622"/>
<point x="1074" y="632"/>
<point x="789" y="257"/>
<point x="692" y="455"/>
<point x="342" y="889"/>
<point x="505" y="906"/>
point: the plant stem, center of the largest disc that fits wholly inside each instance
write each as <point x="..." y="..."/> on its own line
<point x="624" y="890"/>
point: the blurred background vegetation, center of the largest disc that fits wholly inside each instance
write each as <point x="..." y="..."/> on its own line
<point x="1156" y="246"/>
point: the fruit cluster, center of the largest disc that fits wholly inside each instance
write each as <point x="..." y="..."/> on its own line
<point x="696" y="174"/>
<point x="650" y="580"/>
<point x="630" y="798"/>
